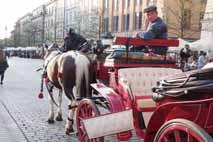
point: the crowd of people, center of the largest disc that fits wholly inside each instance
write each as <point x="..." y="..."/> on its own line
<point x="190" y="60"/>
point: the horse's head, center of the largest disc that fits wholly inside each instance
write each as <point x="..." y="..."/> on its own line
<point x="98" y="47"/>
<point x="53" y="47"/>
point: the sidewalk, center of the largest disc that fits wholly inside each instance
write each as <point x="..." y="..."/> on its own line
<point x="9" y="131"/>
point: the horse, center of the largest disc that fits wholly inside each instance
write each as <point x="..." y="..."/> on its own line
<point x="64" y="71"/>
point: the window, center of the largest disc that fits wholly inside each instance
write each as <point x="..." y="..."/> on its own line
<point x="126" y="22"/>
<point x="138" y="2"/>
<point x="106" y="4"/>
<point x="116" y="4"/>
<point x="138" y="20"/>
<point x="127" y="3"/>
<point x="203" y="1"/>
<point x="201" y="18"/>
<point x="106" y="24"/>
<point x="186" y="18"/>
<point x="115" y="21"/>
<point x="201" y="15"/>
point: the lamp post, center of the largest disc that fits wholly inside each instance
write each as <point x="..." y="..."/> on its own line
<point x="43" y="14"/>
<point x="5" y="36"/>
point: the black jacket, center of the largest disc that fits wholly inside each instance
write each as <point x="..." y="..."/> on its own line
<point x="3" y="66"/>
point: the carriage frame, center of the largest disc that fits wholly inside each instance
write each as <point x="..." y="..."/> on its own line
<point x="171" y="119"/>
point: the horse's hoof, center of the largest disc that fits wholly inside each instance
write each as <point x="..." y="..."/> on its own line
<point x="50" y="121"/>
<point x="59" y="118"/>
<point x="69" y="131"/>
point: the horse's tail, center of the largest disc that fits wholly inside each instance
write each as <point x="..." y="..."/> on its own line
<point x="87" y="76"/>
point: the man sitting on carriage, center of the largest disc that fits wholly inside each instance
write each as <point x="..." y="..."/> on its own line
<point x="157" y="29"/>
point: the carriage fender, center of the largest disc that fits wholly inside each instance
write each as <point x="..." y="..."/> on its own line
<point x="113" y="98"/>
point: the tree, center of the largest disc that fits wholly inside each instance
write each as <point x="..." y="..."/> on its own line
<point x="86" y="23"/>
<point x="182" y="20"/>
<point x="36" y="34"/>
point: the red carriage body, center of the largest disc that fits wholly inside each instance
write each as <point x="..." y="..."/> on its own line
<point x="130" y="105"/>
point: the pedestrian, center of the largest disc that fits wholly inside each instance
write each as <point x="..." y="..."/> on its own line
<point x="193" y="64"/>
<point x="74" y="41"/>
<point x="201" y="60"/>
<point x="3" y="65"/>
<point x="156" y="29"/>
<point x="185" y="53"/>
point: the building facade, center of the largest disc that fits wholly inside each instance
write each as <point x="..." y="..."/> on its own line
<point x="82" y="15"/>
<point x="37" y="25"/>
<point x="126" y="17"/>
<point x="24" y="30"/>
<point x="16" y="34"/>
<point x="54" y="21"/>
<point x="59" y="20"/>
<point x="50" y="22"/>
<point x="207" y="22"/>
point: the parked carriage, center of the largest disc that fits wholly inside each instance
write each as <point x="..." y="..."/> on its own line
<point x="127" y="104"/>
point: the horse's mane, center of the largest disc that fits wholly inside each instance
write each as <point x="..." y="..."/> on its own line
<point x="53" y="46"/>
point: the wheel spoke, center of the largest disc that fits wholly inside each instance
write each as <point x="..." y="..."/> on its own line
<point x="84" y="136"/>
<point x="80" y="118"/>
<point x="177" y="136"/>
<point x="82" y="113"/>
<point x="81" y="127"/>
<point x="89" y="112"/>
<point x="189" y="138"/>
<point x="86" y="110"/>
<point x="165" y="139"/>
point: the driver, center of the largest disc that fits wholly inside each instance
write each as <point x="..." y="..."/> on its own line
<point x="157" y="29"/>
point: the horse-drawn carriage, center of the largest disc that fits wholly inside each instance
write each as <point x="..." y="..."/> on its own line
<point x="181" y="109"/>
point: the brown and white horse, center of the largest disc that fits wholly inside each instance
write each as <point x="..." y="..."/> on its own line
<point x="64" y="71"/>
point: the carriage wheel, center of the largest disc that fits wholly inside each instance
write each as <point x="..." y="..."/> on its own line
<point x="86" y="109"/>
<point x="181" y="130"/>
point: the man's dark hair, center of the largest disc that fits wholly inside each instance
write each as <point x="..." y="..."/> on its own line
<point x="71" y="31"/>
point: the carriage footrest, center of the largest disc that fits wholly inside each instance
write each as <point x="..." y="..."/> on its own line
<point x="112" y="123"/>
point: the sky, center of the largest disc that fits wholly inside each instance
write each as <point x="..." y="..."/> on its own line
<point x="12" y="10"/>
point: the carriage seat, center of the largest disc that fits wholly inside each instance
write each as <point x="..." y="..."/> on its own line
<point x="140" y="82"/>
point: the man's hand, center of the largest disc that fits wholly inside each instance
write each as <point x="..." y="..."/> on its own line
<point x="140" y="35"/>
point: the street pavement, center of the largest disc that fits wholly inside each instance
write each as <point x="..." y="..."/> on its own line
<point x="23" y="117"/>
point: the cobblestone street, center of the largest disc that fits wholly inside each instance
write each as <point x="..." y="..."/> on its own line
<point x="23" y="115"/>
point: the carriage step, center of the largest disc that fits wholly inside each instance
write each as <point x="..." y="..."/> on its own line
<point x="98" y="98"/>
<point x="101" y="101"/>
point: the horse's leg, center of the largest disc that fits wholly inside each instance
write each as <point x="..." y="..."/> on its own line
<point x="59" y="112"/>
<point x="2" y="77"/>
<point x="69" y="123"/>
<point x="51" y="105"/>
<point x="70" y="120"/>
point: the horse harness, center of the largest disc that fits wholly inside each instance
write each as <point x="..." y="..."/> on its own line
<point x="48" y="61"/>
